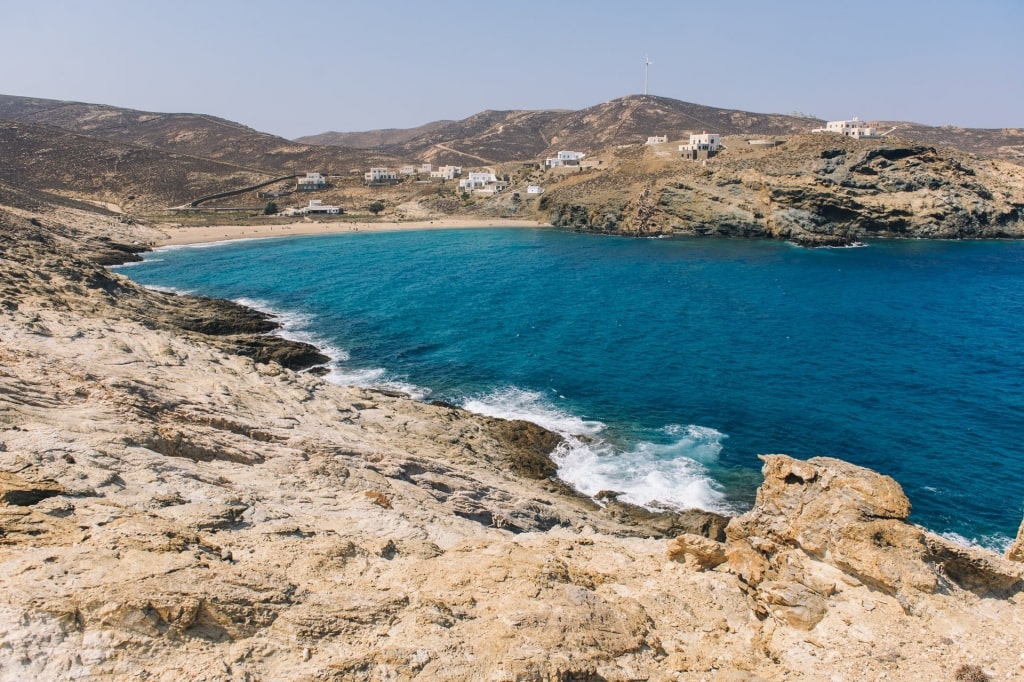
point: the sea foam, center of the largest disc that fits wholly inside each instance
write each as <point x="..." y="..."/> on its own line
<point x="656" y="475"/>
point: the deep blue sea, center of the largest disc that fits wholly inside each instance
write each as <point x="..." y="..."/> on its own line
<point x="680" y="359"/>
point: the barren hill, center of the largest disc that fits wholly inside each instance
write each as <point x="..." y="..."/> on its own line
<point x="517" y="135"/>
<point x="191" y="134"/>
<point x="129" y="176"/>
<point x="499" y="136"/>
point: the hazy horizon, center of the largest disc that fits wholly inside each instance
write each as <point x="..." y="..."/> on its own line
<point x="354" y="68"/>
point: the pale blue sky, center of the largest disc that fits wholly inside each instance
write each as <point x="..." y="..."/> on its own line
<point x="294" y="68"/>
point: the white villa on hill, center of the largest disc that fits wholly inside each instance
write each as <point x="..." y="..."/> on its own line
<point x="312" y="181"/>
<point x="657" y="139"/>
<point x="534" y="189"/>
<point x="854" y="127"/>
<point x="379" y="176"/>
<point x="446" y="172"/>
<point x="704" y="145"/>
<point x="564" y="158"/>
<point x="482" y="183"/>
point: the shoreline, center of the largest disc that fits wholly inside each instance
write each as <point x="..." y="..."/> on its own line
<point x="183" y="236"/>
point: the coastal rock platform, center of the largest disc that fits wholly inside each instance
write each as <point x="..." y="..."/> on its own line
<point x="175" y="505"/>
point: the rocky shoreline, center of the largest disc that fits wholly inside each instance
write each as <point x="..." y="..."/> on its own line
<point x="180" y="503"/>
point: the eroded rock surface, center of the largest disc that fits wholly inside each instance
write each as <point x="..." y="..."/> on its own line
<point x="173" y="509"/>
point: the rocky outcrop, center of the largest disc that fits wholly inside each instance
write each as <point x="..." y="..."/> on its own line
<point x="815" y="190"/>
<point x="823" y="524"/>
<point x="1016" y="550"/>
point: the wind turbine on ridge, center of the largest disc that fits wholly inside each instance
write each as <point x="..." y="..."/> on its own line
<point x="647" y="66"/>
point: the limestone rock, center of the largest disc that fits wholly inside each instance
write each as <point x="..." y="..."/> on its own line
<point x="1016" y="550"/>
<point x="696" y="551"/>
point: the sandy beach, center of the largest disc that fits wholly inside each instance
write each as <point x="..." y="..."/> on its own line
<point x="216" y="233"/>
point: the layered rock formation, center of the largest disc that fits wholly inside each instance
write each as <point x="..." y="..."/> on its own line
<point x="174" y="506"/>
<point x="816" y="190"/>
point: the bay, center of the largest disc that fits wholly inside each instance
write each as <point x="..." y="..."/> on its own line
<point x="680" y="360"/>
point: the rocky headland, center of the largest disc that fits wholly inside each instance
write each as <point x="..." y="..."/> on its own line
<point x="180" y="500"/>
<point x="812" y="189"/>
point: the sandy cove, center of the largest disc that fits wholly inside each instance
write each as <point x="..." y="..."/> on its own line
<point x="172" y="506"/>
<point x="215" y="233"/>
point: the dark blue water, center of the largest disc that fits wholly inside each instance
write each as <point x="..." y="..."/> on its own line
<point x="682" y="359"/>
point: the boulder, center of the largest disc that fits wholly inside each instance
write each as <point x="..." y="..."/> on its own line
<point x="840" y="513"/>
<point x="696" y="551"/>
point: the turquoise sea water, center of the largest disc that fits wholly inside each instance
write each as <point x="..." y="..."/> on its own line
<point x="681" y="359"/>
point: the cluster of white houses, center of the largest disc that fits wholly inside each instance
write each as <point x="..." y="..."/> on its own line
<point x="386" y="176"/>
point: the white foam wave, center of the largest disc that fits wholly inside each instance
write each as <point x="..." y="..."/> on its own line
<point x="531" y="406"/>
<point x="998" y="543"/>
<point x="668" y="475"/>
<point x="170" y="290"/>
<point x="652" y="475"/>
<point x="131" y="264"/>
<point x="295" y="326"/>
<point x="207" y="245"/>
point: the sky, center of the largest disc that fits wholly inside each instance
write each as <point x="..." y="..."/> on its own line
<point x="296" y="69"/>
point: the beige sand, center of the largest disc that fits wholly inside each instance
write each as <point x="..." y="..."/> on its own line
<point x="216" y="233"/>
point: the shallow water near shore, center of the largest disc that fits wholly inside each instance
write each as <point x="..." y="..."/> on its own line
<point x="672" y="363"/>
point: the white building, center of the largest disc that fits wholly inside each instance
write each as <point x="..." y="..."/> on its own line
<point x="564" y="158"/>
<point x="379" y="176"/>
<point x="534" y="189"/>
<point x="855" y="128"/>
<point x="657" y="139"/>
<point x="312" y="181"/>
<point x="426" y="167"/>
<point x="407" y="170"/>
<point x="318" y="206"/>
<point x="704" y="145"/>
<point x="447" y="172"/>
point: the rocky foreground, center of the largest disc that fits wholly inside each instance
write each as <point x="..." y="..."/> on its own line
<point x="179" y="502"/>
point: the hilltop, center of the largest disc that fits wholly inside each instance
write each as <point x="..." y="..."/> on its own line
<point x="500" y="136"/>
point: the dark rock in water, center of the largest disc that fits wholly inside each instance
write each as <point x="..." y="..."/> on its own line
<point x="290" y="354"/>
<point x="528" y="447"/>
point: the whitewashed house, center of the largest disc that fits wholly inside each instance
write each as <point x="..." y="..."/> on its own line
<point x="564" y="158"/>
<point x="854" y="127"/>
<point x="701" y="146"/>
<point x="426" y="167"/>
<point x="534" y="189"/>
<point x="407" y="170"/>
<point x="310" y="183"/>
<point x="318" y="206"/>
<point x="657" y="139"/>
<point x="447" y="172"/>
<point x="379" y="176"/>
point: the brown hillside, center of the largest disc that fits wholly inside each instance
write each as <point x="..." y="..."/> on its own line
<point x="498" y="136"/>
<point x="192" y="134"/>
<point x="132" y="177"/>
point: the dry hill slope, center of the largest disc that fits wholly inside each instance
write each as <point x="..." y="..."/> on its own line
<point x="189" y="134"/>
<point x="528" y="135"/>
<point x="130" y="176"/>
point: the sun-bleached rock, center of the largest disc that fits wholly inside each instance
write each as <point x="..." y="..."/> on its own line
<point x="217" y="517"/>
<point x="1016" y="550"/>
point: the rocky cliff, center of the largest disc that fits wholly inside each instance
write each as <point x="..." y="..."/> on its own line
<point x="817" y="190"/>
<point x="175" y="506"/>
